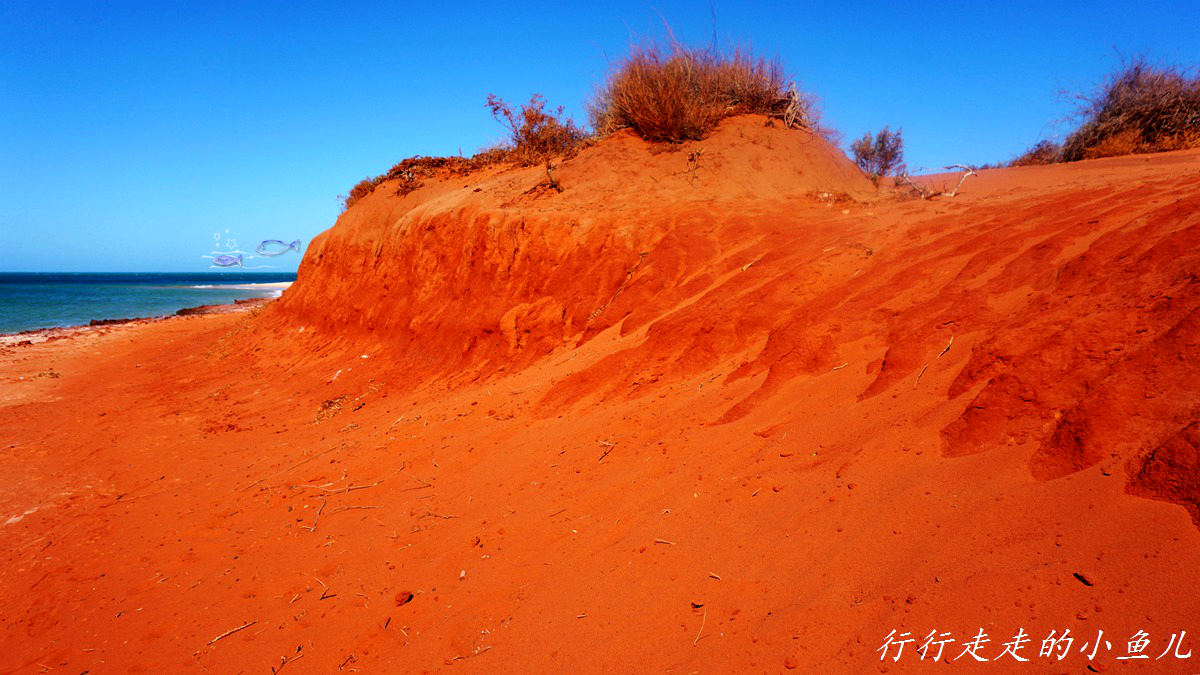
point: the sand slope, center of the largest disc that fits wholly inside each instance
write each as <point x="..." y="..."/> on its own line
<point x="665" y="420"/>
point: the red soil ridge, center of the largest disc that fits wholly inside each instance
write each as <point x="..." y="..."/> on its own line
<point x="723" y="408"/>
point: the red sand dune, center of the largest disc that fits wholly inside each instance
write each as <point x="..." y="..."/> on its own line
<point x="733" y="413"/>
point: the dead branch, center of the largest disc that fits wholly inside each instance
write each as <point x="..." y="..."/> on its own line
<point x="339" y="446"/>
<point x="796" y="113"/>
<point x="552" y="176"/>
<point x="476" y="652"/>
<point x="927" y="192"/>
<point x="967" y="171"/>
<point x="431" y="514"/>
<point x="923" y="191"/>
<point x="947" y="347"/>
<point x="324" y="590"/>
<point x="702" y="620"/>
<point x="227" y="633"/>
<point x="626" y="280"/>
<point x="920" y="374"/>
<point x="694" y="164"/>
<point x="283" y="661"/>
<point x="338" y="491"/>
<point x="316" y="520"/>
<point x="351" y="508"/>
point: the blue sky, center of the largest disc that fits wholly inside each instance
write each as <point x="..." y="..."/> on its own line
<point x="132" y="133"/>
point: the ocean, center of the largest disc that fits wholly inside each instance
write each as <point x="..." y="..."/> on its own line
<point x="47" y="300"/>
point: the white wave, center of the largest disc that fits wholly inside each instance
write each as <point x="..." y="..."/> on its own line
<point x="272" y="286"/>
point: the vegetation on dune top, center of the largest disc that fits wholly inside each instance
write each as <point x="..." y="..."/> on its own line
<point x="663" y="95"/>
<point x="679" y="93"/>
<point x="1140" y="108"/>
<point x="535" y="135"/>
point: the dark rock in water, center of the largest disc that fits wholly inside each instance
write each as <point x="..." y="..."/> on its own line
<point x="108" y="322"/>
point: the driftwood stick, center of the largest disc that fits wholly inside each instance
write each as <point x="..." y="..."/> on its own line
<point x="350" y="508"/>
<point x="227" y="633"/>
<point x="923" y="369"/>
<point x="316" y="520"/>
<point x="947" y="347"/>
<point x="968" y="172"/>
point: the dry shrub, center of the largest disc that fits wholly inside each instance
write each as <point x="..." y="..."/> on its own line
<point x="409" y="172"/>
<point x="1125" y="142"/>
<point x="536" y="134"/>
<point x="680" y="94"/>
<point x="361" y="189"/>
<point x="1141" y="108"/>
<point x="880" y="155"/>
<point x="495" y="154"/>
<point x="1042" y="152"/>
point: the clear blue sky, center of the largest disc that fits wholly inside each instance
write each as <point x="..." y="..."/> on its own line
<point x="132" y="133"/>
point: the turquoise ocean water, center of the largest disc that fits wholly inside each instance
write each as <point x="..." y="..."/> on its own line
<point x="46" y="300"/>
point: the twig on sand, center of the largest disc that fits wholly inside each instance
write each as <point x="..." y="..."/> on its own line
<point x="664" y="541"/>
<point x="947" y="347"/>
<point x="702" y="620"/>
<point x="431" y="514"/>
<point x="338" y="491"/>
<point x="923" y="369"/>
<point x="626" y="280"/>
<point x="476" y="652"/>
<point x="423" y="484"/>
<point x="927" y="192"/>
<point x="283" y="661"/>
<point x="607" y="449"/>
<point x="313" y="527"/>
<point x="841" y="366"/>
<point x="340" y="446"/>
<point x="324" y="590"/>
<point x="350" y="508"/>
<point x="231" y="631"/>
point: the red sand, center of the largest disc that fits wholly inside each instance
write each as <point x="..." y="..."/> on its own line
<point x="722" y="419"/>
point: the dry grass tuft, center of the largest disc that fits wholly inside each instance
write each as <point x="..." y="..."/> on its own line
<point x="1042" y="152"/>
<point x="679" y="94"/>
<point x="1141" y="108"/>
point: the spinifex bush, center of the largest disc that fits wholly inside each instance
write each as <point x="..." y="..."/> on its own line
<point x="1042" y="152"/>
<point x="880" y="155"/>
<point x="536" y="135"/>
<point x="1141" y="108"/>
<point x="409" y="172"/>
<point x="681" y="94"/>
<point x="361" y="189"/>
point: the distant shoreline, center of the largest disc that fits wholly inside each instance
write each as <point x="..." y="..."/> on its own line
<point x="31" y="302"/>
<point x="36" y="335"/>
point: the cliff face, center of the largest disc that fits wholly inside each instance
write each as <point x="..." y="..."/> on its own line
<point x="763" y="254"/>
<point x="499" y="268"/>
